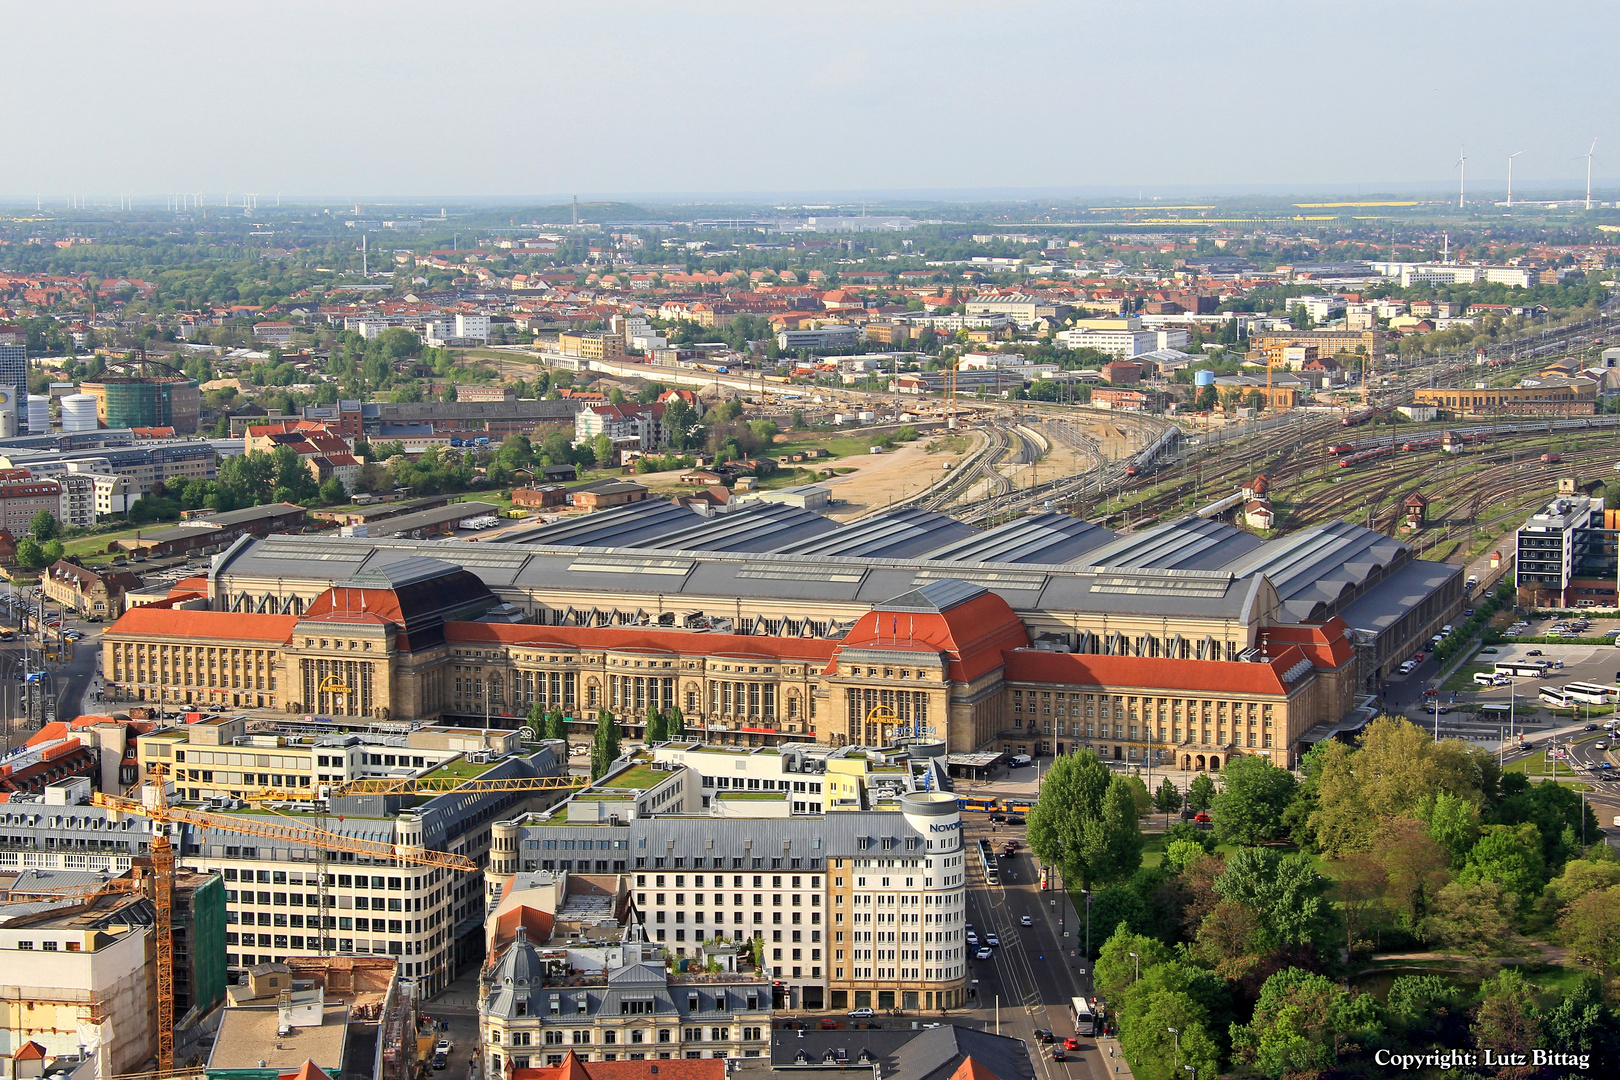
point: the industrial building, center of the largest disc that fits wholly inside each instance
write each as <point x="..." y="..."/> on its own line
<point x="129" y="401"/>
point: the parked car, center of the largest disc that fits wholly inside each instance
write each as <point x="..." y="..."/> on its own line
<point x="1015" y="819"/>
<point x="860" y="1014"/>
<point x="440" y="1061"/>
<point x="443" y="1047"/>
<point x="1533" y="652"/>
<point x="1201" y="817"/>
<point x="828" y="1023"/>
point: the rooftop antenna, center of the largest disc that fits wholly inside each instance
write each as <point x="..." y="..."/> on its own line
<point x="1589" y="174"/>
<point x="1510" y="176"/>
<point x="1462" y="175"/>
<point x="576" y="209"/>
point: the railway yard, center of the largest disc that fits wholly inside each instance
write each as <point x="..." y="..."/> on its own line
<point x="1477" y="475"/>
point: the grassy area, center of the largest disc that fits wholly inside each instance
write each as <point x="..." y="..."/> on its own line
<point x="96" y="544"/>
<point x="639" y="777"/>
<point x="1536" y="767"/>
<point x="458" y="769"/>
<point x="1463" y="677"/>
<point x="759" y="796"/>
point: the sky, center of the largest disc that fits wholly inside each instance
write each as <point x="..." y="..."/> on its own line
<point x="704" y="98"/>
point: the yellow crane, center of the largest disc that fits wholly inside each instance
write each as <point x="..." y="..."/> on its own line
<point x="420" y="785"/>
<point x="157" y="809"/>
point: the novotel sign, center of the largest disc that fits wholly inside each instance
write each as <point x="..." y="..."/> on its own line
<point x="947" y="827"/>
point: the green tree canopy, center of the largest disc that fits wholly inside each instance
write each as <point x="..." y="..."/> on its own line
<point x="44" y="527"/>
<point x="1254" y="794"/>
<point x="674" y="724"/>
<point x="1284" y="891"/>
<point x="1201" y="793"/>
<point x="604" y="744"/>
<point x="1085" y="821"/>
<point x="655" y="726"/>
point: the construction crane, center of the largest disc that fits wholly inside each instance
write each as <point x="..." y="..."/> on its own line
<point x="420" y="785"/>
<point x="157" y="809"/>
<point x="89" y="890"/>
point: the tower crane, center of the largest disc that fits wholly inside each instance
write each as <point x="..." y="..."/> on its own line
<point x="155" y="807"/>
<point x="421" y="785"/>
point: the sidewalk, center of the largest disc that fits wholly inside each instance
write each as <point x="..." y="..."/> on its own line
<point x="1110" y="1060"/>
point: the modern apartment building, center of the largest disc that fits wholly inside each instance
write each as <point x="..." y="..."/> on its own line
<point x="1567" y="555"/>
<point x="852" y="885"/>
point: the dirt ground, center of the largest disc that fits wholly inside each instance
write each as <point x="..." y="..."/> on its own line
<point x="880" y="479"/>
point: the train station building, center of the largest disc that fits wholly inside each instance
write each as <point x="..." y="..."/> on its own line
<point x="1188" y="643"/>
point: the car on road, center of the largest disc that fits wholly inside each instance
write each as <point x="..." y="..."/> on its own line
<point x="1042" y="1035"/>
<point x="1532" y="652"/>
<point x="1202" y="817"/>
<point x="1600" y="745"/>
<point x="1015" y="819"/>
<point x="1020" y="761"/>
<point x="998" y="819"/>
<point x="972" y="940"/>
<point x="993" y="940"/>
<point x="1071" y="1043"/>
<point x="1026" y="921"/>
<point x="443" y="1047"/>
<point x="440" y="1061"/>
<point x="1058" y="1054"/>
<point x="828" y="1023"/>
<point x="860" y="1014"/>
<point x="983" y="954"/>
<point x="1408" y="667"/>
<point x="1590" y="727"/>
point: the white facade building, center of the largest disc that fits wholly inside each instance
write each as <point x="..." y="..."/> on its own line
<point x="472" y="326"/>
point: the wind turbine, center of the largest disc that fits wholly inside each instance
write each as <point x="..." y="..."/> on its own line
<point x="1462" y="175"/>
<point x="1589" y="174"/>
<point x="1510" y="176"/>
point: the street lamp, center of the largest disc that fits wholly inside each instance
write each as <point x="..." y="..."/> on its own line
<point x="1138" y="960"/>
<point x="1177" y="1033"/>
<point x="1192" y="1070"/>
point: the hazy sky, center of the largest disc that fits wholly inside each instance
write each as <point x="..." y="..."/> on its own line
<point x="345" y="99"/>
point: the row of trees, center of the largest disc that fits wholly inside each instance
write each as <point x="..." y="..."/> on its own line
<point x="1395" y="842"/>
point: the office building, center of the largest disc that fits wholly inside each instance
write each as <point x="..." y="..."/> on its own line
<point x="853" y="892"/>
<point x="1567" y="555"/>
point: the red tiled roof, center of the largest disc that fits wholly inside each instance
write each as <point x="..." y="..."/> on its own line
<point x="1326" y="645"/>
<point x="152" y="620"/>
<point x="1153" y="673"/>
<point x="972" y="1069"/>
<point x="973" y="634"/>
<point x="536" y="925"/>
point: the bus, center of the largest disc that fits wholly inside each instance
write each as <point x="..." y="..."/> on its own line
<point x="1085" y="1021"/>
<point x="978" y="804"/>
<point x="1522" y="669"/>
<point x="1591" y="693"/>
<point x="1557" y="697"/>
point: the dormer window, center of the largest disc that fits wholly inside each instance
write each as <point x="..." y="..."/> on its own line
<point x="522" y="1009"/>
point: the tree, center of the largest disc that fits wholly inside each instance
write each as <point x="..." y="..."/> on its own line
<point x="604" y="744"/>
<point x="674" y="724"/>
<point x="332" y="492"/>
<point x="1453" y="823"/>
<point x="1167" y="800"/>
<point x="1085" y="822"/>
<point x="53" y="551"/>
<point x="1474" y="917"/>
<point x="679" y="421"/>
<point x="1508" y="1021"/>
<point x="1254" y="794"/>
<point x="602" y="447"/>
<point x="1284" y="890"/>
<point x="30" y="556"/>
<point x="1511" y="857"/>
<point x="655" y="726"/>
<point x="1591" y="927"/>
<point x="536" y="721"/>
<point x="1415" y="866"/>
<point x="1200" y="793"/>
<point x="1304" y="1023"/>
<point x="1116" y="969"/>
<point x="556" y="725"/>
<point x="44" y="527"/>
<point x="1427" y="1009"/>
<point x="1394" y="770"/>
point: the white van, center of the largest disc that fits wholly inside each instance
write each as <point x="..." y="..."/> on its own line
<point x="1484" y="678"/>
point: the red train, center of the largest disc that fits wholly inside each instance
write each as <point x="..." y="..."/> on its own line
<point x="1365" y="415"/>
<point x="1366" y="455"/>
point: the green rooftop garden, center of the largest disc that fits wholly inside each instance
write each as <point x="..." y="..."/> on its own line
<point x="758" y="795"/>
<point x="458" y="769"/>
